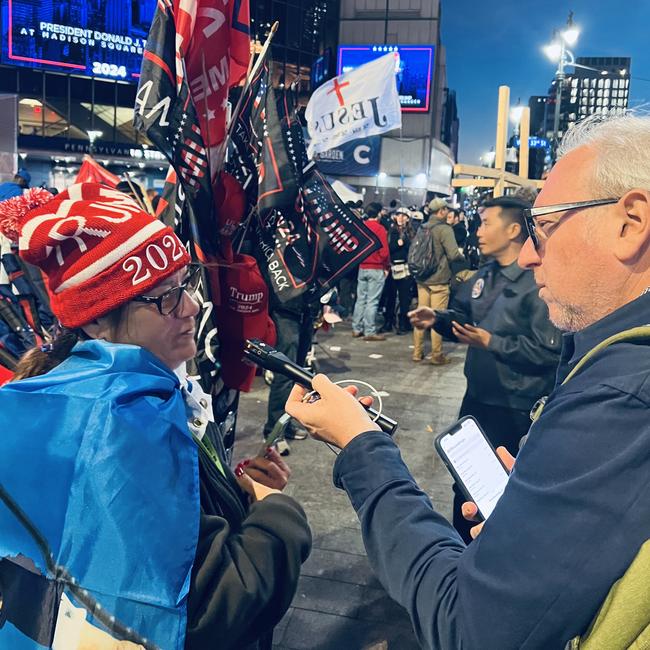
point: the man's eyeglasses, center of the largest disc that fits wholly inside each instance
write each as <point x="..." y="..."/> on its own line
<point x="168" y="302"/>
<point x="537" y="234"/>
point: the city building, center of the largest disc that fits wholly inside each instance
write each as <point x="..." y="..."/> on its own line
<point x="69" y="73"/>
<point x="415" y="163"/>
<point x="538" y="105"/>
<point x="596" y="85"/>
<point x="68" y="77"/>
<point x="307" y="32"/>
<point x="450" y="122"/>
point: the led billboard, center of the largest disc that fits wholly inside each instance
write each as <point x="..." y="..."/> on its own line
<point x="103" y="38"/>
<point x="415" y="75"/>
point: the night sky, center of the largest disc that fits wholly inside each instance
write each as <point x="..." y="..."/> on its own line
<point x="499" y="43"/>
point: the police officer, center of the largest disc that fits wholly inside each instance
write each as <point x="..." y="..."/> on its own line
<point x="513" y="347"/>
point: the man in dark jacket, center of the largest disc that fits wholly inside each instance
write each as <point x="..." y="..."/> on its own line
<point x="575" y="511"/>
<point x="433" y="292"/>
<point x="513" y="347"/>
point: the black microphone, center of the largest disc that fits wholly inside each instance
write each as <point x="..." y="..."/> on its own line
<point x="269" y="358"/>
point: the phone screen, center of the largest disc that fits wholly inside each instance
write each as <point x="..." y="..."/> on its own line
<point x="476" y="464"/>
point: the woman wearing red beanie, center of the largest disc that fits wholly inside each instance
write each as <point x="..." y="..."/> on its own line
<point x="122" y="519"/>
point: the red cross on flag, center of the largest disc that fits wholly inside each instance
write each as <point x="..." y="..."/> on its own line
<point x="356" y="104"/>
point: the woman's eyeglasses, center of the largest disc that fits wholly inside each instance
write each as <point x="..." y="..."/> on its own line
<point x="168" y="302"/>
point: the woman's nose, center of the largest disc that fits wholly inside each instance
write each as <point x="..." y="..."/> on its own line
<point x="189" y="305"/>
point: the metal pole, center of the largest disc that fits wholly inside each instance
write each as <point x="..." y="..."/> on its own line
<point x="559" y="76"/>
<point x="43" y="105"/>
<point x="386" y="24"/>
<point x="524" y="132"/>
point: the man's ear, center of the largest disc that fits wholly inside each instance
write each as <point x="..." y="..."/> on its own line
<point x="633" y="226"/>
<point x="514" y="231"/>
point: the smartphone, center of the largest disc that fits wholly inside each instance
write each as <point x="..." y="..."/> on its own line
<point x="474" y="464"/>
<point x="449" y="315"/>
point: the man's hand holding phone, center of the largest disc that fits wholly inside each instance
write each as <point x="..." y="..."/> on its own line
<point x="470" y="511"/>
<point x="473" y="336"/>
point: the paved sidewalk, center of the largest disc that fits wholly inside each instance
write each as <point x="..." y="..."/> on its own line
<point x="339" y="603"/>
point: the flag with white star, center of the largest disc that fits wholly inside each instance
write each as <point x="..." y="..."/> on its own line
<point x="165" y="112"/>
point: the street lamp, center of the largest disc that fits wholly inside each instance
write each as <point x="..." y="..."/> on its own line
<point x="92" y="136"/>
<point x="515" y="114"/>
<point x="421" y="180"/>
<point x="381" y="176"/>
<point x="558" y="52"/>
<point x="487" y="159"/>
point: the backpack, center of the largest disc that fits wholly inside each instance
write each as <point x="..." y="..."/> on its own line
<point x="422" y="260"/>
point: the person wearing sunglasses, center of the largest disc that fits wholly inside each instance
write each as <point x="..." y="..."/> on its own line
<point x="562" y="561"/>
<point x="113" y="470"/>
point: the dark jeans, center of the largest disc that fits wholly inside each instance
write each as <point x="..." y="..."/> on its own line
<point x="294" y="334"/>
<point x="347" y="292"/>
<point x="404" y="289"/>
<point x="504" y="427"/>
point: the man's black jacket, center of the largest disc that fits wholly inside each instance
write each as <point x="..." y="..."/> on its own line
<point x="519" y="365"/>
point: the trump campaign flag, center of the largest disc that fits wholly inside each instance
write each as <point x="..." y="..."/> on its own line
<point x="303" y="235"/>
<point x="356" y="104"/>
<point x="92" y="172"/>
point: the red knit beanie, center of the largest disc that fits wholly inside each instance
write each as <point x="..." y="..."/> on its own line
<point x="98" y="250"/>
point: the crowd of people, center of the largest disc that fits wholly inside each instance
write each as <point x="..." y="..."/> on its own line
<point x="379" y="295"/>
<point x="551" y="300"/>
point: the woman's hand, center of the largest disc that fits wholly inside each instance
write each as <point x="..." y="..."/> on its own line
<point x="269" y="470"/>
<point x="422" y="317"/>
<point x="336" y="417"/>
<point x="256" y="491"/>
<point x="469" y="509"/>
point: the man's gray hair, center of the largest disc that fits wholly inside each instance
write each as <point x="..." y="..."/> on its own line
<point x="622" y="143"/>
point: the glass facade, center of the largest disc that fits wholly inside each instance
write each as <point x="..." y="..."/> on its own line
<point x="307" y="29"/>
<point x="56" y="111"/>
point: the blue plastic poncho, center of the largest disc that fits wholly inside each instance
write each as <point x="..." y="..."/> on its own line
<point x="98" y="456"/>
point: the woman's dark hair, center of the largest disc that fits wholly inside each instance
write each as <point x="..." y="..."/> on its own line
<point x="43" y="358"/>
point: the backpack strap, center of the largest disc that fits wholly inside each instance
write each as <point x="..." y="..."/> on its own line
<point x="623" y="620"/>
<point x="640" y="333"/>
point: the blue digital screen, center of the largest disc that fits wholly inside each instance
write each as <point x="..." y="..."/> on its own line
<point x="102" y="38"/>
<point x="415" y="75"/>
<point x="321" y="69"/>
<point x="534" y="142"/>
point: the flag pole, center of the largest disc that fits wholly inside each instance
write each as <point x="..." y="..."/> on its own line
<point x="245" y="229"/>
<point x="401" y="164"/>
<point x="249" y="79"/>
<point x="139" y="201"/>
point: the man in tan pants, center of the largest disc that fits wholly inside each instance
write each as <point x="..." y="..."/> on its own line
<point x="434" y="291"/>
